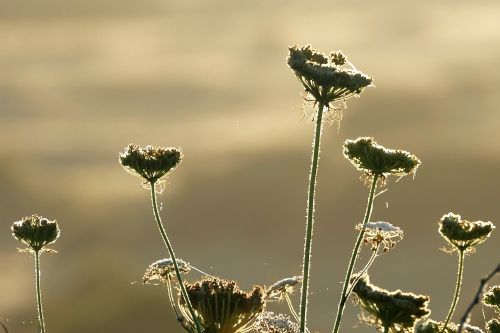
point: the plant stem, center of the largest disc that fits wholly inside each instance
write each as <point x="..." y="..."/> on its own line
<point x="172" y="256"/>
<point x="355" y="252"/>
<point x="364" y="270"/>
<point x="386" y="329"/>
<point x="460" y="273"/>
<point x="39" y="292"/>
<point x="310" y="218"/>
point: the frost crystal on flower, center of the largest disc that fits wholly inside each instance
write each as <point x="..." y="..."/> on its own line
<point x="368" y="156"/>
<point x="150" y="163"/>
<point x="326" y="79"/>
<point x="36" y="231"/>
<point x="221" y="306"/>
<point x="163" y="269"/>
<point x="463" y="234"/>
<point x="283" y="286"/>
<point x="269" y="322"/>
<point x="385" y="233"/>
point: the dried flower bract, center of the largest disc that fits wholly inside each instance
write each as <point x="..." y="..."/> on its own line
<point x="36" y="231"/>
<point x="150" y="163"/>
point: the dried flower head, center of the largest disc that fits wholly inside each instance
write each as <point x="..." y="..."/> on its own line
<point x="492" y="297"/>
<point x="222" y="307"/>
<point x="431" y="326"/>
<point x="326" y="79"/>
<point x="384" y="233"/>
<point x="150" y="163"/>
<point x="493" y="326"/>
<point x="163" y="269"/>
<point x="283" y="286"/>
<point x="36" y="231"/>
<point x="463" y="234"/>
<point x="395" y="310"/>
<point x="269" y="322"/>
<point x="368" y="156"/>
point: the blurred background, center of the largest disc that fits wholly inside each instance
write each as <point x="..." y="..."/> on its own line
<point x="82" y="79"/>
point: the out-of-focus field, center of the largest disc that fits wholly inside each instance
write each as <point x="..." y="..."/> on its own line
<point x="82" y="79"/>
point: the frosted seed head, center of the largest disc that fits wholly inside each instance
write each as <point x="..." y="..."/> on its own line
<point x="269" y="322"/>
<point x="36" y="231"/>
<point x="164" y="269"/>
<point x="463" y="235"/>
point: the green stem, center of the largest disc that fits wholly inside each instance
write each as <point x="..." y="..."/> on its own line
<point x="460" y="274"/>
<point x="364" y="270"/>
<point x="172" y="256"/>
<point x="355" y="252"/>
<point x="310" y="218"/>
<point x="39" y="292"/>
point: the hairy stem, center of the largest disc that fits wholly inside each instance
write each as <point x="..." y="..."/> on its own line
<point x="310" y="218"/>
<point x="460" y="273"/>
<point x="172" y="256"/>
<point x="364" y="270"/>
<point x="344" y="295"/>
<point x="41" y="319"/>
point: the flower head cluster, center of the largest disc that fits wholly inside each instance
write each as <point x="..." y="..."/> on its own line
<point x="395" y="310"/>
<point x="164" y="269"/>
<point x="384" y="233"/>
<point x="431" y="326"/>
<point x="492" y="297"/>
<point x="269" y="322"/>
<point x="36" y="231"/>
<point x="150" y="163"/>
<point x="326" y="78"/>
<point x="493" y="326"/>
<point x="463" y="234"/>
<point x="222" y="307"/>
<point x="283" y="286"/>
<point x="368" y="156"/>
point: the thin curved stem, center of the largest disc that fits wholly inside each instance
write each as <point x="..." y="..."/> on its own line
<point x="172" y="256"/>
<point x="41" y="319"/>
<point x="355" y="252"/>
<point x="292" y="309"/>
<point x="460" y="273"/>
<point x="364" y="270"/>
<point x="310" y="218"/>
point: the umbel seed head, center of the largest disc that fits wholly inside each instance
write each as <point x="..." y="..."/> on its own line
<point x="492" y="297"/>
<point x="35" y="231"/>
<point x="368" y="156"/>
<point x="395" y="310"/>
<point x="269" y="322"/>
<point x="493" y="326"/>
<point x="463" y="234"/>
<point x="164" y="269"/>
<point x="221" y="306"/>
<point x="150" y="163"/>
<point x="326" y="79"/>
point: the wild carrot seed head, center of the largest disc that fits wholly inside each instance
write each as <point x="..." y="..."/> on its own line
<point x="326" y="79"/>
<point x="163" y="269"/>
<point x="492" y="297"/>
<point x="396" y="310"/>
<point x="269" y="322"/>
<point x="493" y="326"/>
<point x="463" y="235"/>
<point x="150" y="163"/>
<point x="368" y="156"/>
<point x="36" y="231"/>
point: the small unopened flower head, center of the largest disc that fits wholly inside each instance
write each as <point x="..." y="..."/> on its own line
<point x="384" y="233"/>
<point x="221" y="306"/>
<point x="269" y="322"/>
<point x="150" y="163"/>
<point x="36" y="231"/>
<point x="463" y="234"/>
<point x="163" y="269"/>
<point x="492" y="297"/>
<point x="326" y="79"/>
<point x="493" y="326"/>
<point x="283" y="286"/>
<point x="368" y="156"/>
<point x="396" y="310"/>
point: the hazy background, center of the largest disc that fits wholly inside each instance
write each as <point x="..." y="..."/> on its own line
<point x="82" y="79"/>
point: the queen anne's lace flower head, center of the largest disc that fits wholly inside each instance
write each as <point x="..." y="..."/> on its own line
<point x="36" y="231"/>
<point x="384" y="233"/>
<point x="269" y="322"/>
<point x="283" y="286"/>
<point x="164" y="269"/>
